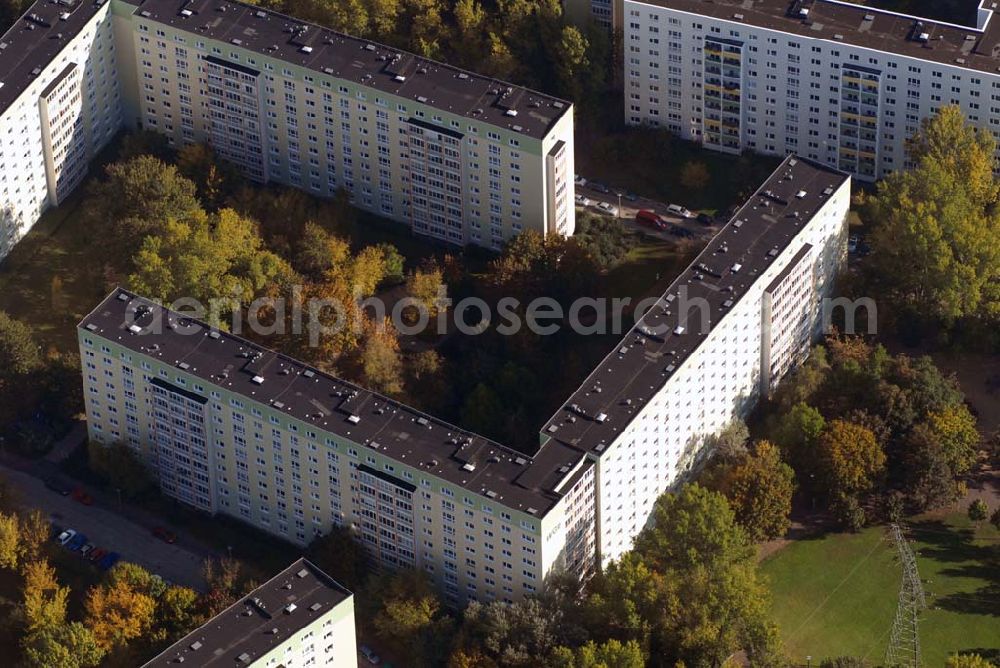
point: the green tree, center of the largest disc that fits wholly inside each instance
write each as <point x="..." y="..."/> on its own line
<point x="937" y="237"/>
<point x="610" y="654"/>
<point x="339" y="554"/>
<point x="408" y="616"/>
<point x="693" y="526"/>
<point x="67" y="646"/>
<point x="978" y="510"/>
<point x="850" y="459"/>
<point x="797" y="433"/>
<point x="19" y="354"/>
<point x="393" y="263"/>
<point x="120" y="467"/>
<point x="137" y="198"/>
<point x="759" y="488"/>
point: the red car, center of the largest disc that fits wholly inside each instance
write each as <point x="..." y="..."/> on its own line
<point x="165" y="535"/>
<point x="96" y="554"/>
<point x="80" y="494"/>
<point x="649" y="218"/>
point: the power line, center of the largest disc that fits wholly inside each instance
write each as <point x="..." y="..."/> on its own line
<point x="904" y="640"/>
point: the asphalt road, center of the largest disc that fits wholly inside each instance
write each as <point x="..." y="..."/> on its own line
<point x="629" y="209"/>
<point x="106" y="528"/>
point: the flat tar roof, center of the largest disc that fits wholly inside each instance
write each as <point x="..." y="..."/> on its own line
<point x="260" y="621"/>
<point x="530" y="483"/>
<point x="36" y="39"/>
<point x="976" y="48"/>
<point x="661" y="341"/>
<point x="363" y="62"/>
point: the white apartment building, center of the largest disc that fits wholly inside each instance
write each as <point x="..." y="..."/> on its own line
<point x="456" y="156"/>
<point x="721" y="336"/>
<point x="59" y="105"/>
<point x="836" y="82"/>
<point x="232" y="428"/>
<point x="300" y="617"/>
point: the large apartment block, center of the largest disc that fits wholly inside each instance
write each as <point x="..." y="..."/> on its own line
<point x="456" y="156"/>
<point x="60" y="103"/>
<point x="836" y="82"/>
<point x="721" y="336"/>
<point x="300" y="617"/>
<point x="230" y="427"/>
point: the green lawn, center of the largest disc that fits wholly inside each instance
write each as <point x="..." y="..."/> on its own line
<point x="837" y="594"/>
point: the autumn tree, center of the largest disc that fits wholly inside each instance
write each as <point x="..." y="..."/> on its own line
<point x="10" y="541"/>
<point x="426" y="286"/>
<point x="215" y="179"/>
<point x="850" y="459"/>
<point x="407" y="615"/>
<point x="936" y="239"/>
<point x="968" y="661"/>
<point x="45" y="600"/>
<point x="381" y="365"/>
<point x="759" y="488"/>
<point x="694" y="176"/>
<point x="34" y="530"/>
<point x="117" y="612"/>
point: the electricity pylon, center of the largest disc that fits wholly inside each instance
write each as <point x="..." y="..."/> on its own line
<point x="904" y="642"/>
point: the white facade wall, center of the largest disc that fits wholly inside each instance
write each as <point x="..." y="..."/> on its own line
<point x="289" y="479"/>
<point x="46" y="141"/>
<point x="314" y="131"/>
<point x="790" y="93"/>
<point x="719" y="380"/>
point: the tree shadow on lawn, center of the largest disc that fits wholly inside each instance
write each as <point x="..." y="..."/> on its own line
<point x="946" y="544"/>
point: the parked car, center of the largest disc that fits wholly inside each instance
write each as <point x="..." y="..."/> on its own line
<point x="599" y="187"/>
<point x="76" y="542"/>
<point x="705" y="219"/>
<point x="630" y="197"/>
<point x="648" y="218"/>
<point x="108" y="560"/>
<point x="610" y="209"/>
<point x="65" y="537"/>
<point x="579" y="180"/>
<point x="166" y="535"/>
<point x="681" y="232"/>
<point x="86" y="549"/>
<point x="57" y="485"/>
<point x="678" y="210"/>
<point x="369" y="654"/>
<point x="96" y="554"/>
<point x="852" y="244"/>
<point x="81" y="495"/>
<point x="583" y="201"/>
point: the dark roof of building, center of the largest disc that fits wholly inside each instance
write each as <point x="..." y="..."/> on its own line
<point x="364" y="62"/>
<point x="35" y="39"/>
<point x="532" y="484"/>
<point x="976" y="48"/>
<point x="260" y="621"/>
<point x="660" y="342"/>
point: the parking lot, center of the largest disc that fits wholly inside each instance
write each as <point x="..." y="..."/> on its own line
<point x="595" y="194"/>
<point x="107" y="529"/>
